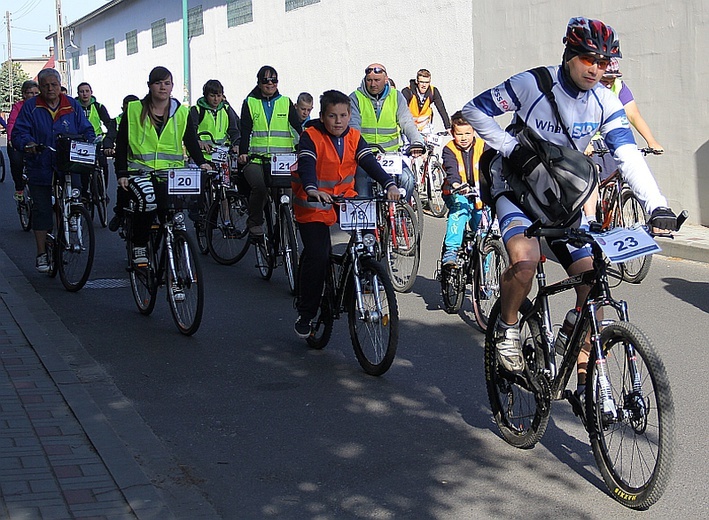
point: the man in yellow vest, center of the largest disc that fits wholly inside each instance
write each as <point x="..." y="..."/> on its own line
<point x="422" y="97"/>
<point x="103" y="125"/>
<point x="381" y="114"/>
<point x="266" y="121"/>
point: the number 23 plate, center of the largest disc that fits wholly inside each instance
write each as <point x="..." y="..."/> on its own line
<point x="623" y="244"/>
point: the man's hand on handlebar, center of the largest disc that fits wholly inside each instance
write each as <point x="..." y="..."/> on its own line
<point x="205" y="146"/>
<point x="393" y="193"/>
<point x="662" y="220"/>
<point x="123" y="183"/>
<point x="243" y="158"/>
<point x="32" y="147"/>
<point x="206" y="167"/>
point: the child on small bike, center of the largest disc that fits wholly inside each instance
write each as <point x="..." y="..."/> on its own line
<point x="328" y="156"/>
<point x="460" y="161"/>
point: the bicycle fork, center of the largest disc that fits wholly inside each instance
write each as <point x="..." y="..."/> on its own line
<point x="603" y="389"/>
<point x="370" y="316"/>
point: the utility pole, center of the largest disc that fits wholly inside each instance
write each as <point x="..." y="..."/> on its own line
<point x="9" y="57"/>
<point x="185" y="54"/>
<point x="60" y="51"/>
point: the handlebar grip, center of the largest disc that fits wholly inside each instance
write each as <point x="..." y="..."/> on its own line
<point x="682" y="218"/>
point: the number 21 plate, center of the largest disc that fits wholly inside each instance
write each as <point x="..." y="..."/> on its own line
<point x="623" y="244"/>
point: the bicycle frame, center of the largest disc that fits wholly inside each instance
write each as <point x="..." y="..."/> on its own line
<point x="598" y="297"/>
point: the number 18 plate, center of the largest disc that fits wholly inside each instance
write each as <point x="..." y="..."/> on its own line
<point x="623" y="244"/>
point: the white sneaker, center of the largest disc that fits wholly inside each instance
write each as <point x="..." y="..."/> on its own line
<point x="42" y="263"/>
<point x="509" y="350"/>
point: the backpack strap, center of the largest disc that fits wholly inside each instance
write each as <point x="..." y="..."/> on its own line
<point x="545" y="83"/>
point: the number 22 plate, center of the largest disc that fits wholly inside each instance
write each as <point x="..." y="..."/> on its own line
<point x="623" y="244"/>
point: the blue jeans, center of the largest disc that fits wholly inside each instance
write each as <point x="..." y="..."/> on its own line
<point x="460" y="211"/>
<point x="363" y="182"/>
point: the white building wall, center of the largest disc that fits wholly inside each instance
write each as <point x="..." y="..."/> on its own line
<point x="467" y="45"/>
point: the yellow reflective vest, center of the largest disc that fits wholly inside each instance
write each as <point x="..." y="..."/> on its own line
<point x="385" y="130"/>
<point x="274" y="136"/>
<point x="147" y="150"/>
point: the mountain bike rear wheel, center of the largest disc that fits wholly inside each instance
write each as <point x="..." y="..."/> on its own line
<point x="487" y="278"/>
<point x="75" y="257"/>
<point x="185" y="285"/>
<point x="633" y="212"/>
<point x="375" y="331"/>
<point x="635" y="449"/>
<point x="289" y="246"/>
<point x="521" y="414"/>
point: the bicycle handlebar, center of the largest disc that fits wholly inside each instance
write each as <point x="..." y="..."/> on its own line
<point x="645" y="151"/>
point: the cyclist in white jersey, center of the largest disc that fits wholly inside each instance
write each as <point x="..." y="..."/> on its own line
<point x="586" y="108"/>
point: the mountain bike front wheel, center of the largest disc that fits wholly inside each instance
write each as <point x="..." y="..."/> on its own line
<point x="226" y="230"/>
<point x="632" y="441"/>
<point x="402" y="248"/>
<point x="434" y="191"/>
<point x="75" y="249"/>
<point x="289" y="246"/>
<point x="185" y="284"/>
<point x="374" y="328"/>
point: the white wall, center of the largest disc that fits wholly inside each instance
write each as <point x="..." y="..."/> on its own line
<point x="467" y="45"/>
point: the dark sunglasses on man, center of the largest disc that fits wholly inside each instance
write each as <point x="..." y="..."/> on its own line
<point x="376" y="70"/>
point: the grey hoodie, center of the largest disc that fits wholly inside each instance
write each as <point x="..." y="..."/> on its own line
<point x="403" y="115"/>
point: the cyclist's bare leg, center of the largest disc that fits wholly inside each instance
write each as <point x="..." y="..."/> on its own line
<point x="589" y="207"/>
<point x="40" y="237"/>
<point x="517" y="279"/>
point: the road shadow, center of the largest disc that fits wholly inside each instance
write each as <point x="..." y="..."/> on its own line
<point x="694" y="293"/>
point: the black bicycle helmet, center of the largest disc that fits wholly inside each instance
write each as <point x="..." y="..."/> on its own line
<point x="584" y="35"/>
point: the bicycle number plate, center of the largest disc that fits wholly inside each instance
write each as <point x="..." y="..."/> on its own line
<point x="391" y="162"/>
<point x="283" y="163"/>
<point x="81" y="152"/>
<point x="358" y="215"/>
<point x="220" y="154"/>
<point x="623" y="244"/>
<point x="184" y="181"/>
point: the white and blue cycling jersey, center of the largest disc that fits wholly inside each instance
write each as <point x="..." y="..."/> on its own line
<point x="584" y="113"/>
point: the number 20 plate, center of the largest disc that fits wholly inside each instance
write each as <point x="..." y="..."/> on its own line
<point x="623" y="244"/>
<point x="184" y="181"/>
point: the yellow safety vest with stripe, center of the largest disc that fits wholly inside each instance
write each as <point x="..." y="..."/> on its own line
<point x="147" y="150"/>
<point x="274" y="136"/>
<point x="385" y="130"/>
<point x="217" y="127"/>
<point x="424" y="115"/>
<point x="95" y="120"/>
<point x="477" y="151"/>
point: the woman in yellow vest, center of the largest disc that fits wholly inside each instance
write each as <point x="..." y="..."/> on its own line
<point x="460" y="161"/>
<point x="150" y="137"/>
<point x="266" y="122"/>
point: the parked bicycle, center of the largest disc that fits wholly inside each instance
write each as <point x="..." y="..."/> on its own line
<point x="172" y="256"/>
<point x="618" y="206"/>
<point x="280" y="239"/>
<point x="359" y="285"/>
<point x="627" y="407"/>
<point x="71" y="246"/>
<point x="430" y="177"/>
<point x="482" y="259"/>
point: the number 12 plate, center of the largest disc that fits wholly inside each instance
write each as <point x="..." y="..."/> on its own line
<point x="623" y="244"/>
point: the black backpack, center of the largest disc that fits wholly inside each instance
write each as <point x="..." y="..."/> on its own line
<point x="556" y="194"/>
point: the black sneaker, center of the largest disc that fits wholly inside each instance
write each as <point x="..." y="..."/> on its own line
<point x="302" y="327"/>
<point x="115" y="223"/>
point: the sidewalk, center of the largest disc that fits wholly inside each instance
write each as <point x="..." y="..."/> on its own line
<point x="63" y="453"/>
<point x="690" y="243"/>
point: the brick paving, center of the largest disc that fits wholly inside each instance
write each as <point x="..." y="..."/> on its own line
<point x="49" y="468"/>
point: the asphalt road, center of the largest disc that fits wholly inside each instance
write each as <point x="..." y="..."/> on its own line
<point x="267" y="428"/>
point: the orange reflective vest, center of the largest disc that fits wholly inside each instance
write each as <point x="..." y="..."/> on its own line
<point x="478" y="146"/>
<point x="335" y="176"/>
<point x="423" y="115"/>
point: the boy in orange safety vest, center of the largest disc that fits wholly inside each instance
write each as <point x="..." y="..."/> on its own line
<point x="328" y="155"/>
